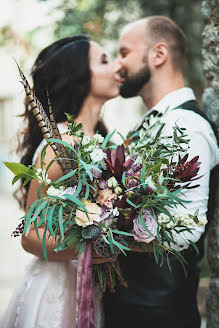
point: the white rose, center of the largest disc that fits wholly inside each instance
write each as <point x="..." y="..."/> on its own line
<point x="98" y="138"/>
<point x="97" y="155"/>
<point x="89" y="149"/>
<point x="86" y="140"/>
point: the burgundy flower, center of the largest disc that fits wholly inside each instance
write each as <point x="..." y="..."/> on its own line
<point x="116" y="161"/>
<point x="184" y="171"/>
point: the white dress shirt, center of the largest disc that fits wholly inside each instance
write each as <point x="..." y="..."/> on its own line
<point x="203" y="144"/>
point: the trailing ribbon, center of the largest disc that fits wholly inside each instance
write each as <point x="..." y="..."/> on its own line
<point x="84" y="296"/>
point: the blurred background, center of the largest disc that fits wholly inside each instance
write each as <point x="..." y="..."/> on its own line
<point x="27" y="26"/>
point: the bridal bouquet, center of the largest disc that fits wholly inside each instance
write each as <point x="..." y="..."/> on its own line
<point x="110" y="198"/>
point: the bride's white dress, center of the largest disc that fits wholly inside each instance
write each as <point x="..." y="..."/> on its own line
<point x="46" y="298"/>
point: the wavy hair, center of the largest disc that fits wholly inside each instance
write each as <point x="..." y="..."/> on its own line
<point x="63" y="69"/>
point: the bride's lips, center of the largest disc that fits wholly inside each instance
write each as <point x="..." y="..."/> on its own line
<point x="121" y="80"/>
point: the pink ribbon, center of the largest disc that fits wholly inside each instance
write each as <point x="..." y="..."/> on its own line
<point x="84" y="298"/>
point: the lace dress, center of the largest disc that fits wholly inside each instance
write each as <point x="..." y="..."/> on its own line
<point x="46" y="298"/>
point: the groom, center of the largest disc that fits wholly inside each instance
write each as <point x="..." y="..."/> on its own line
<point x="150" y="63"/>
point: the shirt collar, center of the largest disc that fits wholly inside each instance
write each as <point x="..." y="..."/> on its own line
<point x="171" y="101"/>
<point x="174" y="99"/>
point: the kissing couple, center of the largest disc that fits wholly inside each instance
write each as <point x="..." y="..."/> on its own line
<point x="80" y="77"/>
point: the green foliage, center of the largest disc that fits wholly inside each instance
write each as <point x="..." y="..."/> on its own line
<point x="21" y="171"/>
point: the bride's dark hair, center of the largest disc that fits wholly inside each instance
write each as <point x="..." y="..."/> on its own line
<point x="63" y="69"/>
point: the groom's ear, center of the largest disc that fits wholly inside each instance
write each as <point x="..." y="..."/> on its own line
<point x="159" y="54"/>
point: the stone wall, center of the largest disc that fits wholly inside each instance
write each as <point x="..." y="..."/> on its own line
<point x="210" y="11"/>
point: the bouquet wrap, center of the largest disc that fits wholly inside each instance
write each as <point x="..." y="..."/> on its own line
<point x="84" y="298"/>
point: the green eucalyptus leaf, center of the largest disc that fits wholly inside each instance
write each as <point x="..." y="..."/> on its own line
<point x="50" y="220"/>
<point x="64" y="143"/>
<point x="76" y="201"/>
<point x="122" y="233"/>
<point x="194" y="246"/>
<point x="144" y="225"/>
<point x="87" y="169"/>
<point x="39" y="190"/>
<point x="29" y="216"/>
<point x="107" y="139"/>
<point x="44" y="246"/>
<point x="66" y="176"/>
<point x="79" y="187"/>
<point x="61" y="221"/>
<point x="43" y="154"/>
<point x="130" y="203"/>
<point x="143" y="175"/>
<point x="87" y="191"/>
<point x="123" y="179"/>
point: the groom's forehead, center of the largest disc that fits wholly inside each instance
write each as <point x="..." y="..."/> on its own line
<point x="131" y="40"/>
<point x="133" y="36"/>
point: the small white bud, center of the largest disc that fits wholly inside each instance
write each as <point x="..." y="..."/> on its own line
<point x="112" y="182"/>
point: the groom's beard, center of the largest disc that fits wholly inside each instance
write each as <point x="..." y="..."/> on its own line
<point x="133" y="84"/>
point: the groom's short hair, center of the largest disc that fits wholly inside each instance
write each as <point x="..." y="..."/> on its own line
<point x="160" y="28"/>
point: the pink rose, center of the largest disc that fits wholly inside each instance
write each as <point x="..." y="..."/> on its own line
<point x="140" y="233"/>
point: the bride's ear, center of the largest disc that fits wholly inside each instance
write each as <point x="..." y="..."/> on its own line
<point x="159" y="54"/>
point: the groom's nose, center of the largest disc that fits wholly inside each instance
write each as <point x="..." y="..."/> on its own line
<point x="117" y="66"/>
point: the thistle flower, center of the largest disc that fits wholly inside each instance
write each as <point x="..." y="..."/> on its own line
<point x="102" y="184"/>
<point x="19" y="230"/>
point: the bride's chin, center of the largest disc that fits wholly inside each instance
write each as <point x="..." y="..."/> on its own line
<point x="115" y="93"/>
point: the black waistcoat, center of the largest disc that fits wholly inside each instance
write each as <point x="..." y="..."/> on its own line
<point x="152" y="286"/>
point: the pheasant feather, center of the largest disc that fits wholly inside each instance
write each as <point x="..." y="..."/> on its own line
<point x="51" y="117"/>
<point x="48" y="128"/>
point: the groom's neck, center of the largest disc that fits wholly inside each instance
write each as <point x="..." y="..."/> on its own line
<point x="158" y="87"/>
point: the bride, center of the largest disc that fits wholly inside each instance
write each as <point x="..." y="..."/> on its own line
<point x="79" y="77"/>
